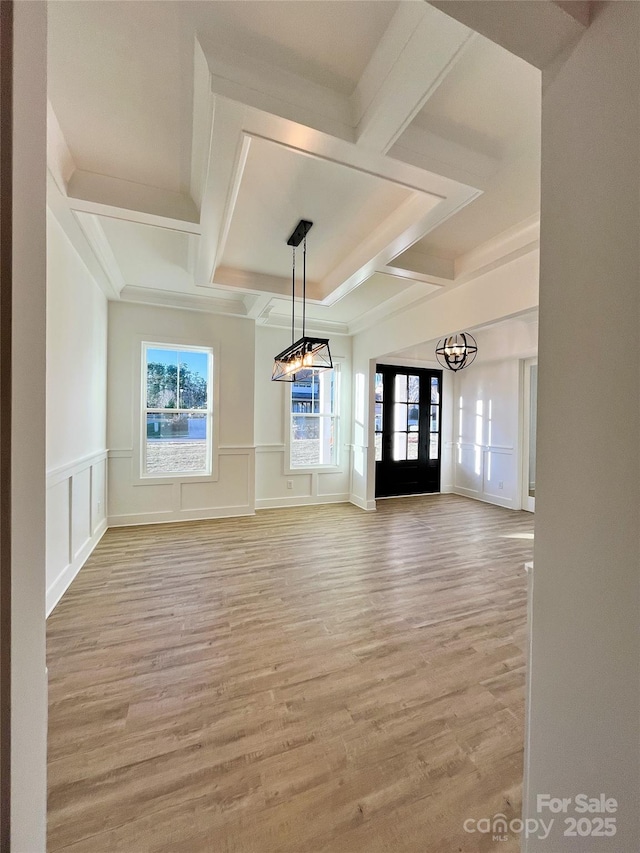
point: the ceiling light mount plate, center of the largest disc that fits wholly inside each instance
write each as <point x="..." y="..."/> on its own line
<point x="299" y="232"/>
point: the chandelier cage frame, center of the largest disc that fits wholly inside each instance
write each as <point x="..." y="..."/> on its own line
<point x="456" y="352"/>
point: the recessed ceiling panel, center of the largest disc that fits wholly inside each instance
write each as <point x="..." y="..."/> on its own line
<point x="489" y="99"/>
<point x="328" y="43"/>
<point x="120" y="76"/>
<point x="281" y="186"/>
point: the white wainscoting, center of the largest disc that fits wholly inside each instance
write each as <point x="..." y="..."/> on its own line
<point x="230" y="493"/>
<point x="479" y="470"/>
<point x="76" y="519"/>
<point x="308" y="487"/>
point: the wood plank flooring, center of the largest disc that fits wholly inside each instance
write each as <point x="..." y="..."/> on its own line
<point x="309" y="680"/>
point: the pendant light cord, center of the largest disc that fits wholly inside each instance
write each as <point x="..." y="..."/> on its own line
<point x="293" y="297"/>
<point x="304" y="285"/>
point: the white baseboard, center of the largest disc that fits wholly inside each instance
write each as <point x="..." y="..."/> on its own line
<point x="368" y="506"/>
<point x="507" y="503"/>
<point x="305" y="500"/>
<point x="447" y="490"/>
<point x="62" y="583"/>
<point x="169" y="517"/>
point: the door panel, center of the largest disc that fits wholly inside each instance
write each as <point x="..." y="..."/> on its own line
<point x="407" y="430"/>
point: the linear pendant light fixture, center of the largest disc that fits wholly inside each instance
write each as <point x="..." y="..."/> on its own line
<point x="298" y="361"/>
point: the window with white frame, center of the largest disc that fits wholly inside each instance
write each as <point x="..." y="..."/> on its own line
<point x="177" y="410"/>
<point x="314" y="419"/>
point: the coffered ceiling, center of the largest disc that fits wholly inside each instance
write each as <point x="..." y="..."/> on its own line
<point x="186" y="139"/>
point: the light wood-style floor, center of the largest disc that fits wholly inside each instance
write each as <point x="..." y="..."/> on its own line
<point x="309" y="679"/>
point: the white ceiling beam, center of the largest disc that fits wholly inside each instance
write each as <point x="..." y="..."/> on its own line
<point x="397" y="303"/>
<point x="59" y="160"/>
<point x="94" y="232"/>
<point x="538" y="31"/>
<point x="201" y="123"/>
<point x="257" y="307"/>
<point x="427" y="150"/>
<point x="92" y="193"/>
<point x="419" y="266"/>
<point x="247" y="80"/>
<point x="313" y="325"/>
<point x="414" y="56"/>
<point x="57" y="203"/>
<point x="226" y="156"/>
<point x="408" y="224"/>
<point x="510" y="244"/>
<point x="411" y="275"/>
<point x="259" y="283"/>
<point x="312" y="143"/>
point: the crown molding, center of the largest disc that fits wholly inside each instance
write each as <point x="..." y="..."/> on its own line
<point x="187" y="301"/>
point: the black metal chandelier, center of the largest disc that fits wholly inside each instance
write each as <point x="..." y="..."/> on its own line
<point x="457" y="351"/>
<point x="297" y="361"/>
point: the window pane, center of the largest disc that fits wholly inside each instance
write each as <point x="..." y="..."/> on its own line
<point x="378" y="417"/>
<point x="378" y="447"/>
<point x="162" y="379"/>
<point x="412" y="449"/>
<point x="413" y="418"/>
<point x="317" y="393"/>
<point x="433" y="446"/>
<point x="328" y="391"/>
<point x="434" y="419"/>
<point x="379" y="390"/>
<point x="305" y="396"/>
<point x="328" y="441"/>
<point x="414" y="389"/>
<point x="399" y="446"/>
<point x="314" y="404"/>
<point x="435" y="389"/>
<point x="306" y="429"/>
<point x="400" y="416"/>
<point x="176" y="443"/>
<point x="194" y="377"/>
<point x="312" y="441"/>
<point x="400" y="388"/>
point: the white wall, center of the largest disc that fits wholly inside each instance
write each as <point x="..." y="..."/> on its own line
<point x="231" y="489"/>
<point x="76" y="412"/>
<point x="271" y="425"/>
<point x="28" y="675"/>
<point x="584" y="710"/>
<point x="488" y="430"/>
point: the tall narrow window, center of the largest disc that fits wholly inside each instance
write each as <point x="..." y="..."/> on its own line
<point x="177" y="410"/>
<point x="379" y="415"/>
<point x="314" y="419"/>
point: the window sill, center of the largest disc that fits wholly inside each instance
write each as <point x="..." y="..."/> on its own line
<point x="170" y="479"/>
<point x="316" y="469"/>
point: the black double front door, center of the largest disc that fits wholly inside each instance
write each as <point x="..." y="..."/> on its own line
<point x="408" y="415"/>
